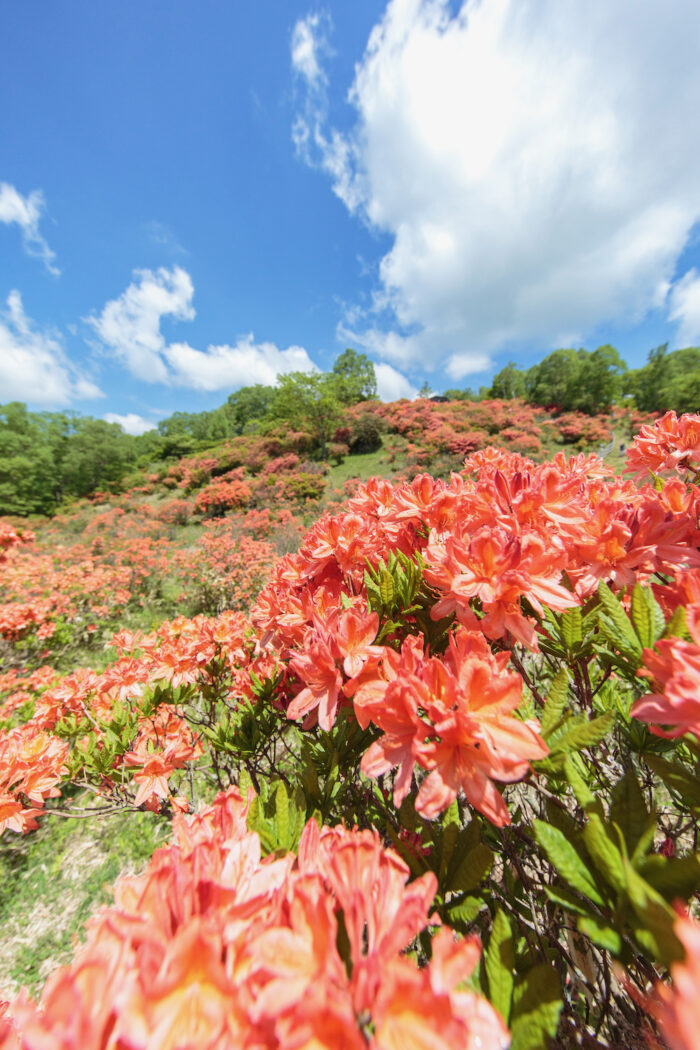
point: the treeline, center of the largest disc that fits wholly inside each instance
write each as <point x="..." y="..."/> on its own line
<point x="592" y="381"/>
<point x="48" y="457"/>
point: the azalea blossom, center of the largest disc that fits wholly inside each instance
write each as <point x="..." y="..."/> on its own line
<point x="677" y="1006"/>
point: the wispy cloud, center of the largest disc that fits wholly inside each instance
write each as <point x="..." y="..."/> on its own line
<point x="26" y="212"/>
<point x="33" y="364"/>
<point x="162" y="236"/>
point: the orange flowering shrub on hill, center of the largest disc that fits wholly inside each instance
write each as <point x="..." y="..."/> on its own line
<point x="497" y="674"/>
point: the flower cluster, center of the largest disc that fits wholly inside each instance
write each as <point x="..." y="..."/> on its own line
<point x="215" y="948"/>
<point x="674" y="668"/>
<point x="666" y="447"/>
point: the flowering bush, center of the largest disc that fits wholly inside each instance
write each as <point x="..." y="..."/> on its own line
<point x="495" y="675"/>
<point x="221" y="496"/>
<point x="216" y="947"/>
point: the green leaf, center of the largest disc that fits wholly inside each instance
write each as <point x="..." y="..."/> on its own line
<point x="617" y="616"/>
<point x="604" y="852"/>
<point x="499" y="961"/>
<point x="571" y="628"/>
<point x="448" y="840"/>
<point x="600" y="933"/>
<point x="672" y="877"/>
<point x="464" y="910"/>
<point x="537" y="1004"/>
<point x="653" y="929"/>
<point x="642" y="616"/>
<point x="386" y="588"/>
<point x="628" y="810"/>
<point x="245" y="784"/>
<point x="473" y="868"/>
<point x="677" y="778"/>
<point x="556" y="702"/>
<point x="566" y="900"/>
<point x="565" y="860"/>
<point x="676" y="626"/>
<point x="576" y="774"/>
<point x="616" y="627"/>
<point x="575" y="735"/>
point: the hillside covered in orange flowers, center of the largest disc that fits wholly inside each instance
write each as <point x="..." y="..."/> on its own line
<point x="424" y="719"/>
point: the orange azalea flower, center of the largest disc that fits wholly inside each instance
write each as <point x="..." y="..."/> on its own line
<point x="454" y="717"/>
<point x="674" y="667"/>
<point x="478" y="736"/>
<point x="670" y="445"/>
<point x="316" y="666"/>
<point x="677" y="1007"/>
<point x="203" y="954"/>
<point x="498" y="568"/>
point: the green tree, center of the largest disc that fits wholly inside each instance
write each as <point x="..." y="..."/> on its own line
<point x="98" y="455"/>
<point x="599" y="382"/>
<point x="468" y="394"/>
<point x="249" y="406"/>
<point x="667" y="381"/>
<point x="509" y="383"/>
<point x="310" y="400"/>
<point x="554" y="380"/>
<point x="357" y="379"/>
<point x="29" y="483"/>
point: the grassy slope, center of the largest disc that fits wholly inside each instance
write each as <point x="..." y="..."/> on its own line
<point x="53" y="880"/>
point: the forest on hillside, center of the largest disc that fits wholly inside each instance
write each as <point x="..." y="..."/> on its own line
<point x="49" y="457"/>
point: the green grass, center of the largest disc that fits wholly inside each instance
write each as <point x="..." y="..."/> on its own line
<point x="363" y="466"/>
<point x="53" y="879"/>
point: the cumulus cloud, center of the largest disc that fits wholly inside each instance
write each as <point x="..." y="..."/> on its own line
<point x="534" y="164"/>
<point x="684" y="308"/>
<point x="392" y="385"/>
<point x="246" y="363"/>
<point x="130" y="326"/>
<point x="33" y="365"/>
<point x="25" y="212"/>
<point x="131" y="423"/>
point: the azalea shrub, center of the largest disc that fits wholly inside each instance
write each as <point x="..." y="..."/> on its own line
<point x="456" y="746"/>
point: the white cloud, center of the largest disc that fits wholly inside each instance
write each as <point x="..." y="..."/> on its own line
<point x="458" y="366"/>
<point x="131" y="423"/>
<point x="25" y="212"/>
<point x="534" y="164"/>
<point x="130" y="326"/>
<point x="308" y="40"/>
<point x="392" y="385"/>
<point x="244" y="364"/>
<point x="684" y="308"/>
<point x="33" y="365"/>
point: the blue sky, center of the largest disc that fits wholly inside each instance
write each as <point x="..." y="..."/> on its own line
<point x="197" y="196"/>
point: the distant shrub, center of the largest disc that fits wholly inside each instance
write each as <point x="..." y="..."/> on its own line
<point x="337" y="451"/>
<point x="221" y="496"/>
<point x="175" y="512"/>
<point x="366" y="434"/>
